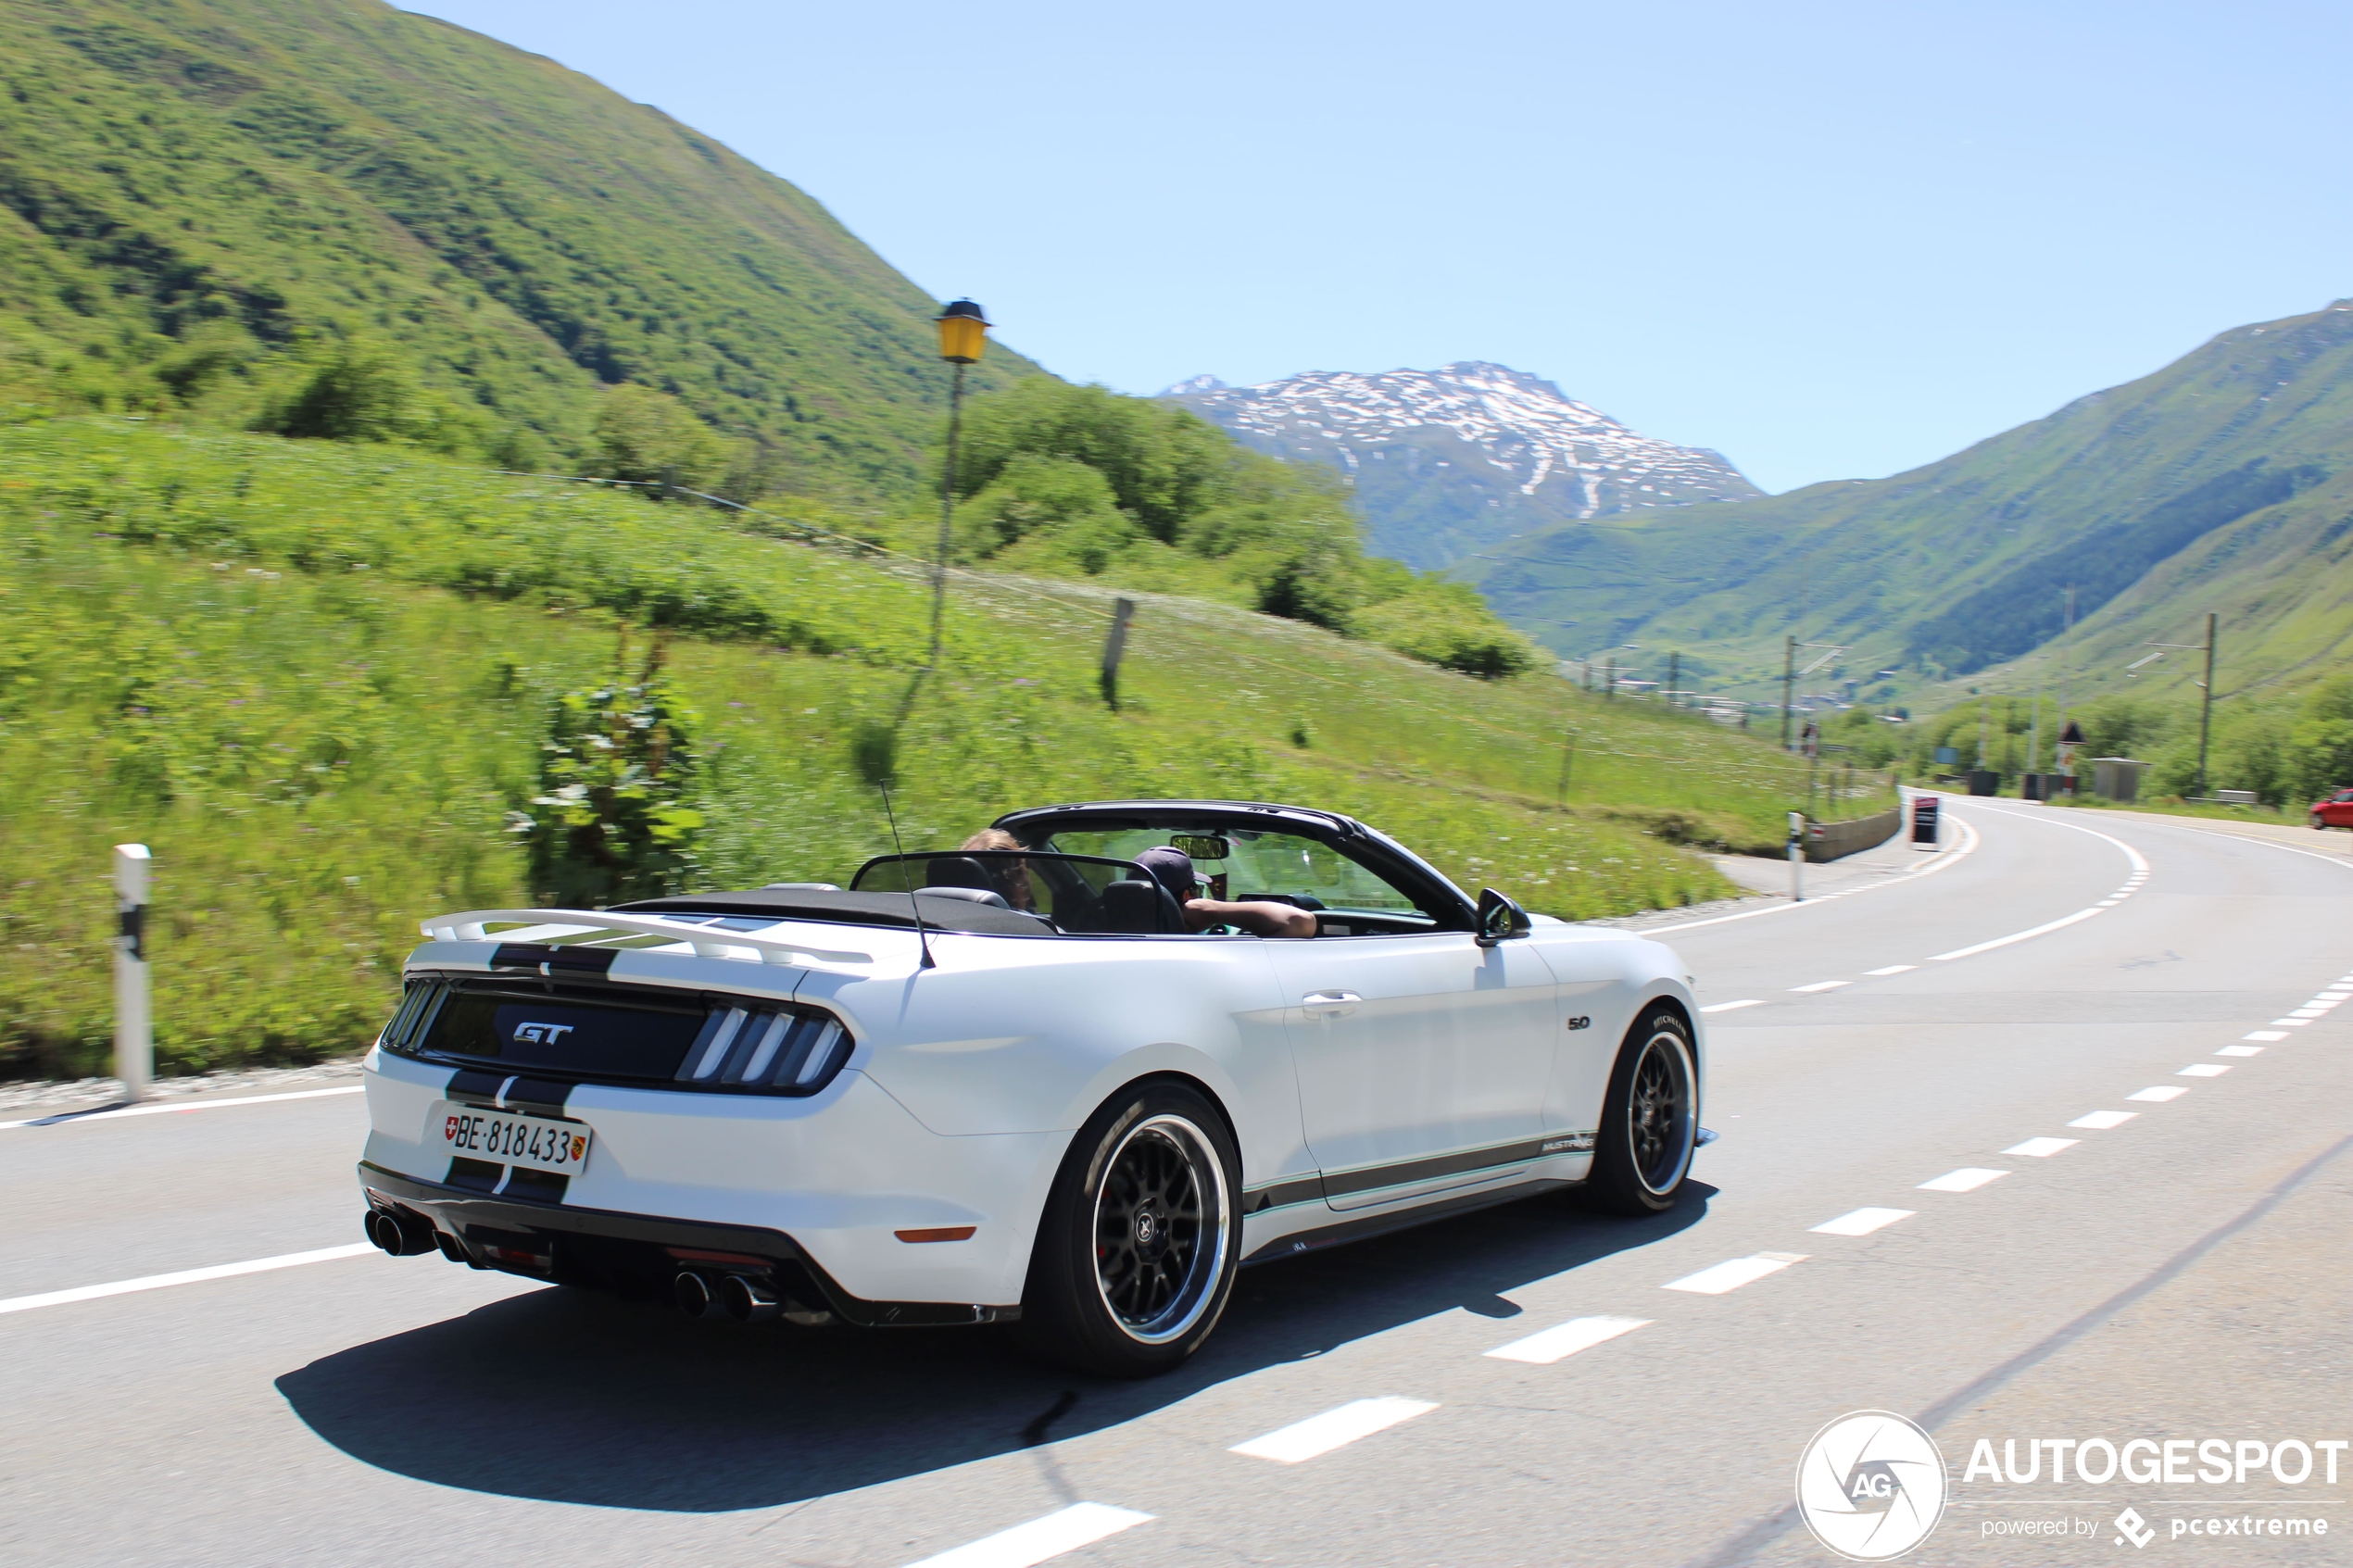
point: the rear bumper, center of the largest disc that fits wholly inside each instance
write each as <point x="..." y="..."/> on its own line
<point x="598" y="1247"/>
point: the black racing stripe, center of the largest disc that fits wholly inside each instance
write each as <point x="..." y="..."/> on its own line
<point x="1358" y="1229"/>
<point x="543" y="1096"/>
<point x="540" y="1186"/>
<point x="1306" y="1189"/>
<point x="470" y="1082"/>
<point x="1340" y="1183"/>
<point x="538" y="959"/>
<point x="474" y="1175"/>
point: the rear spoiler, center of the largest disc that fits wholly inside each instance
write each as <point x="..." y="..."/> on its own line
<point x="750" y="946"/>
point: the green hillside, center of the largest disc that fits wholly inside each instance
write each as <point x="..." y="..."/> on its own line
<point x="2221" y="482"/>
<point x="203" y="205"/>
<point x="317" y="678"/>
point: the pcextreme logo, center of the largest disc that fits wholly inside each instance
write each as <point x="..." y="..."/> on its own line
<point x="1870" y="1486"/>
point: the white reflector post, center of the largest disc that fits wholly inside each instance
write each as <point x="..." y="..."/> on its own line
<point x="134" y="1039"/>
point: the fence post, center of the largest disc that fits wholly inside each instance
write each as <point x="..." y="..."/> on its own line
<point x="1115" y="648"/>
<point x="1797" y="856"/>
<point x="134" y="1040"/>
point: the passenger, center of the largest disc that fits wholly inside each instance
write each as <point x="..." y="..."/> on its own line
<point x="1173" y="869"/>
<point x="1011" y="877"/>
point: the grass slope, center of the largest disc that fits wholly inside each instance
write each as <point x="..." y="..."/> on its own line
<point x="197" y="195"/>
<point x="2222" y="482"/>
<point x="314" y="677"/>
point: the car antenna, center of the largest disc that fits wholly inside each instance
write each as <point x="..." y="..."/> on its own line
<point x="923" y="940"/>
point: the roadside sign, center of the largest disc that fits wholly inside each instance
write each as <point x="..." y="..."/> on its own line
<point x="1924" y="812"/>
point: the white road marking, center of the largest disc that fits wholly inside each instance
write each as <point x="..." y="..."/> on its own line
<point x="1726" y="1007"/>
<point x="2265" y="1035"/>
<point x="2101" y="1121"/>
<point x="1732" y="1275"/>
<point x="2043" y="930"/>
<point x="159" y="1108"/>
<point x="186" y="1276"/>
<point x="2289" y="1023"/>
<point x="1025" y="1545"/>
<point x="1823" y="986"/>
<point x="1863" y="1222"/>
<point x="2310" y="1013"/>
<point x="2203" y="1070"/>
<point x="2110" y="903"/>
<point x="1969" y="1178"/>
<point x="1333" y="1429"/>
<point x="2042" y="1148"/>
<point x="1566" y="1339"/>
<point x="2333" y="996"/>
<point x="2240" y="1051"/>
<point x="1894" y="969"/>
<point x="2161" y="1093"/>
<point x="1943" y="857"/>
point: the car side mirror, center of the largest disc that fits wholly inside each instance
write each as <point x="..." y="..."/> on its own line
<point x="1500" y="920"/>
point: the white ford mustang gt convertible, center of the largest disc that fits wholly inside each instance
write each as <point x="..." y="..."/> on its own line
<point x="1018" y="1083"/>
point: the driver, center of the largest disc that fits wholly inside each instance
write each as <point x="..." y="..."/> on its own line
<point x="1173" y="869"/>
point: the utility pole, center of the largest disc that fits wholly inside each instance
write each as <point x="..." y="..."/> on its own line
<point x="2206" y="706"/>
<point x="1609" y="680"/>
<point x="2067" y="658"/>
<point x="1789" y="683"/>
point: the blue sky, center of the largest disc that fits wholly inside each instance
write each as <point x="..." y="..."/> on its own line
<point x="1830" y="240"/>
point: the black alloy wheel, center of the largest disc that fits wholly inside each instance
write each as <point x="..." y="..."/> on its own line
<point x="1141" y="1235"/>
<point x="1650" y="1120"/>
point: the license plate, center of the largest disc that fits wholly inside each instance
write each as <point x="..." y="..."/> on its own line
<point x="507" y="1137"/>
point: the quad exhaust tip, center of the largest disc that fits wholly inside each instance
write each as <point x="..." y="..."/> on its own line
<point x="401" y="1239"/>
<point x="747" y="1300"/>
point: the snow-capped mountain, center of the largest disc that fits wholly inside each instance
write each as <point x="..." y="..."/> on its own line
<point x="1444" y="461"/>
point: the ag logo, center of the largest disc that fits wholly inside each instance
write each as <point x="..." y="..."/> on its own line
<point x="542" y="1033"/>
<point x="1870" y="1486"/>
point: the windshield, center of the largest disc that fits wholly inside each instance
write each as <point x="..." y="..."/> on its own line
<point x="1242" y="864"/>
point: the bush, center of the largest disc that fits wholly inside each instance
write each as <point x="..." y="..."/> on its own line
<point x="610" y="822"/>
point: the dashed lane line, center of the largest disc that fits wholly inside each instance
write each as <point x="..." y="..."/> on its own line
<point x="2042" y="1148"/>
<point x="2240" y="1051"/>
<point x="1320" y="1435"/>
<point x="1862" y="1221"/>
<point x="2160" y="1093"/>
<point x="2267" y="1036"/>
<point x="2101" y="1121"/>
<point x="2289" y="1023"/>
<point x="1564" y="1340"/>
<point x="1823" y="986"/>
<point x="1025" y="1545"/>
<point x="1731" y="1274"/>
<point x="186" y="1276"/>
<point x="1969" y="1178"/>
<point x="2203" y="1070"/>
<point x="1728" y="1006"/>
<point x="1894" y="969"/>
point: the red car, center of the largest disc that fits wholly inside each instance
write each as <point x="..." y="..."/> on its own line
<point x="2336" y="811"/>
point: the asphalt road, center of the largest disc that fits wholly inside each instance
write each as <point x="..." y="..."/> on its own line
<point x="2179" y="1274"/>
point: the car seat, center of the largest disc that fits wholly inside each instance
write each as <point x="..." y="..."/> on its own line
<point x="1138" y="909"/>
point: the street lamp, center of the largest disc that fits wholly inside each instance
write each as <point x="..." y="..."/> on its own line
<point x="963" y="331"/>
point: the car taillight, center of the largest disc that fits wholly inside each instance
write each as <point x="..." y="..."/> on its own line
<point x="768" y="1050"/>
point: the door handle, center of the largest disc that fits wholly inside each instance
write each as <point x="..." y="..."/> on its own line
<point x="1335" y="1004"/>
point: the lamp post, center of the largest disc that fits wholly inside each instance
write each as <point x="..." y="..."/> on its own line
<point x="963" y="331"/>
